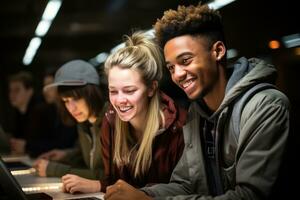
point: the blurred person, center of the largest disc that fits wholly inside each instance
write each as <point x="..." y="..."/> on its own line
<point x="4" y="142"/>
<point x="228" y="155"/>
<point x="47" y="130"/>
<point x="83" y="102"/>
<point x="141" y="136"/>
<point x="23" y="100"/>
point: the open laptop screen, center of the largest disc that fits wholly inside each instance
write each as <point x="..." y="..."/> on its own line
<point x="10" y="188"/>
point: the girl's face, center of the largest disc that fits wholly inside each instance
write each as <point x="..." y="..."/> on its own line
<point x="77" y="108"/>
<point x="128" y="94"/>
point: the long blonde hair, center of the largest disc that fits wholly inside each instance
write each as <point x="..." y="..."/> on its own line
<point x="143" y="55"/>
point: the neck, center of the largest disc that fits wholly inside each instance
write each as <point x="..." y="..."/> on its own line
<point x="23" y="108"/>
<point x="92" y="119"/>
<point x="215" y="97"/>
<point x="137" y="131"/>
<point x="137" y="128"/>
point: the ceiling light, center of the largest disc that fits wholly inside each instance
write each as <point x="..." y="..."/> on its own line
<point x="31" y="50"/>
<point x="274" y="44"/>
<point x="297" y="51"/>
<point x="42" y="28"/>
<point x="232" y="53"/>
<point x="49" y="14"/>
<point x="217" y="4"/>
<point x="291" y="40"/>
<point x="51" y="10"/>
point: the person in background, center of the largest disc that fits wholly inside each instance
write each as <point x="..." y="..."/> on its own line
<point x="4" y="142"/>
<point x="81" y="100"/>
<point x="23" y="100"/>
<point x="48" y="131"/>
<point x="218" y="162"/>
<point x="141" y="138"/>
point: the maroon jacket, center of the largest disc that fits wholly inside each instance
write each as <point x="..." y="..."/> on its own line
<point x="167" y="148"/>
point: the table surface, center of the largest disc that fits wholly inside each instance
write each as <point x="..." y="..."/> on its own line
<point x="52" y="186"/>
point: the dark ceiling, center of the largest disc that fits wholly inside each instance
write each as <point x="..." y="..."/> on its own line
<point x="84" y="28"/>
<point x="81" y="29"/>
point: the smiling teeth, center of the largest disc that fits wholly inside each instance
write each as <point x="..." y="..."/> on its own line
<point x="124" y="108"/>
<point x="187" y="83"/>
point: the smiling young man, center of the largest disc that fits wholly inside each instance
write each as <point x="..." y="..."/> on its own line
<point x="227" y="155"/>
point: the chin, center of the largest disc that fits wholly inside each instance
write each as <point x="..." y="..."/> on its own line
<point x="125" y="118"/>
<point x="80" y="120"/>
<point x="193" y="95"/>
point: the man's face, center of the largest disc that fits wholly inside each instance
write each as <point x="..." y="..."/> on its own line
<point x="18" y="94"/>
<point x="192" y="65"/>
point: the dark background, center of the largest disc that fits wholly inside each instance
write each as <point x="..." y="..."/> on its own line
<point x="84" y="28"/>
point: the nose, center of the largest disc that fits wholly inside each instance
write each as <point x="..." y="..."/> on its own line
<point x="71" y="105"/>
<point x="121" y="98"/>
<point x="179" y="73"/>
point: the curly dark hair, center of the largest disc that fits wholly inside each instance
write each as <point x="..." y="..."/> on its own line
<point x="192" y="20"/>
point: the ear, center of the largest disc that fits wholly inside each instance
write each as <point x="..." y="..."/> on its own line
<point x="219" y="50"/>
<point x="152" y="88"/>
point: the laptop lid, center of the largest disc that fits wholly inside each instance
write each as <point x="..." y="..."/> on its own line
<point x="11" y="189"/>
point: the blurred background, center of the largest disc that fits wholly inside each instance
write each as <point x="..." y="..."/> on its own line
<point x="90" y="29"/>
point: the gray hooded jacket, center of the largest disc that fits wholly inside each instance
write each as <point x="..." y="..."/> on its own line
<point x="248" y="165"/>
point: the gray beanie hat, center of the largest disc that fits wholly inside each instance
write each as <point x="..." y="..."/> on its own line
<point x="75" y="73"/>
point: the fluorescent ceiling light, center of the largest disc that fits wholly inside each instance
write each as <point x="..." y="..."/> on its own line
<point x="150" y="33"/>
<point x="51" y="9"/>
<point x="291" y="40"/>
<point x="217" y="4"/>
<point x="119" y="46"/>
<point x="101" y="57"/>
<point x="49" y="14"/>
<point x="232" y="53"/>
<point x="42" y="28"/>
<point x="31" y="50"/>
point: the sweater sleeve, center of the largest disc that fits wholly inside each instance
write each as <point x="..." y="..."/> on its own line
<point x="55" y="169"/>
<point x="72" y="163"/>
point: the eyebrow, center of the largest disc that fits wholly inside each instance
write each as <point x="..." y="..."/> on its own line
<point x="179" y="56"/>
<point x="125" y="87"/>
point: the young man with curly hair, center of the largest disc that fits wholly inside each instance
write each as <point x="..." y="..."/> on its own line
<point x="227" y="155"/>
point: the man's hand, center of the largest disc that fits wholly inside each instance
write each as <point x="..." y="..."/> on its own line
<point x="40" y="166"/>
<point x="17" y="145"/>
<point x="123" y="191"/>
<point x="73" y="183"/>
<point x="55" y="155"/>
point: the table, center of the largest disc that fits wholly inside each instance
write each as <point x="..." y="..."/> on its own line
<point x="52" y="186"/>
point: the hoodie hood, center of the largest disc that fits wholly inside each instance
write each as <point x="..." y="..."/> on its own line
<point x="246" y="73"/>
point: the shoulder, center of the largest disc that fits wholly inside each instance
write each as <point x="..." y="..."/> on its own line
<point x="269" y="106"/>
<point x="269" y="98"/>
<point x="174" y="114"/>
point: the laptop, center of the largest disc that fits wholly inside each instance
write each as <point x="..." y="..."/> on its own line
<point x="11" y="189"/>
<point x="16" y="165"/>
